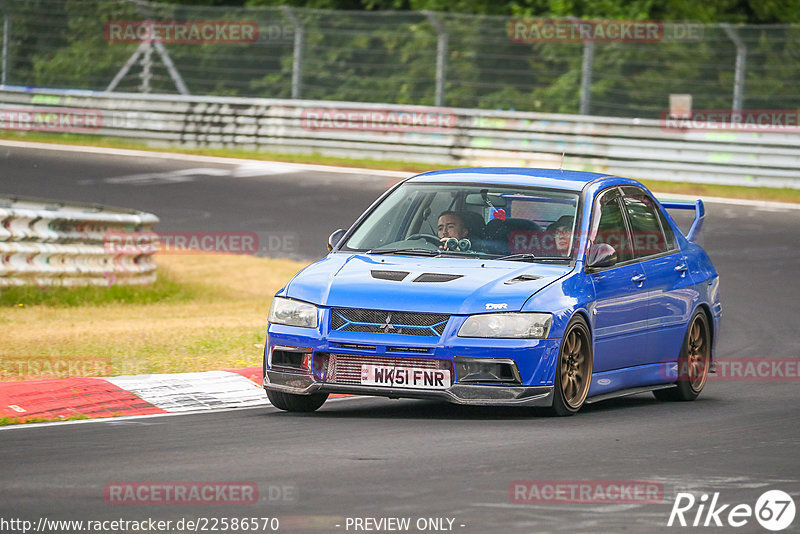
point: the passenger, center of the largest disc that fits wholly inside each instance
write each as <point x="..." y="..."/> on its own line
<point x="562" y="234"/>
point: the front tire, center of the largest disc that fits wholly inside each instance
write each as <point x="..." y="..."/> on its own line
<point x="296" y="403"/>
<point x="573" y="369"/>
<point x="693" y="363"/>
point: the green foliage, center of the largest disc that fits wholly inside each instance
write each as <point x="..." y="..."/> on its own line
<point x="735" y="11"/>
<point x="386" y="51"/>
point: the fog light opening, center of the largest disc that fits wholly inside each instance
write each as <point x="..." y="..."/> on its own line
<point x="293" y="358"/>
<point x="487" y="370"/>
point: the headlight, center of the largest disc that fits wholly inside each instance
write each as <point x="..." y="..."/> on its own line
<point x="292" y="313"/>
<point x="507" y="325"/>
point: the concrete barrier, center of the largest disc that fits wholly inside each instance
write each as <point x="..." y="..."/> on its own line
<point x="642" y="148"/>
<point x="52" y="243"/>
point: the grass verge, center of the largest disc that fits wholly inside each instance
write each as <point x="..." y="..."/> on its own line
<point x="15" y="421"/>
<point x="206" y="312"/>
<point x="729" y="191"/>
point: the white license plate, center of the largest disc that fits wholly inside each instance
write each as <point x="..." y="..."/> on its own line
<point x="404" y="377"/>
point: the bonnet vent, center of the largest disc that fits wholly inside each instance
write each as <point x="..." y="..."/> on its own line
<point x="437" y="277"/>
<point x="523" y="278"/>
<point x="395" y="276"/>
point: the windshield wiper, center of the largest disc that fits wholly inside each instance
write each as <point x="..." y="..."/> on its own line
<point x="412" y="251"/>
<point x="521" y="257"/>
<point x="531" y="257"/>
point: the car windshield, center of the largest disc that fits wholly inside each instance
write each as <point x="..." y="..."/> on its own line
<point x="471" y="220"/>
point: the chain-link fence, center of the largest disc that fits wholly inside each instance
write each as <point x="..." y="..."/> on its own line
<point x="402" y="57"/>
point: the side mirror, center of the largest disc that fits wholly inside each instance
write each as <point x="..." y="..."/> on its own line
<point x="601" y="255"/>
<point x="335" y="237"/>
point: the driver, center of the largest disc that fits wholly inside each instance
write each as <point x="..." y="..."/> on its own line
<point x="451" y="224"/>
<point x="452" y="230"/>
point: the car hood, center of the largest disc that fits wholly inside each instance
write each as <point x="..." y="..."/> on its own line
<point x="358" y="281"/>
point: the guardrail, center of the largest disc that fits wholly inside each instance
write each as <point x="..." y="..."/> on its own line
<point x="641" y="148"/>
<point x="52" y="243"/>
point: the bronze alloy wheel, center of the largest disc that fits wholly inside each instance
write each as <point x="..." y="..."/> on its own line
<point x="574" y="372"/>
<point x="698" y="354"/>
<point x="694" y="362"/>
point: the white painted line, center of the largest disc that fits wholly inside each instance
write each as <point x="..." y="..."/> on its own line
<point x="132" y="418"/>
<point x="733" y="201"/>
<point x="291" y="167"/>
<point x="602" y="508"/>
<point x="118" y="419"/>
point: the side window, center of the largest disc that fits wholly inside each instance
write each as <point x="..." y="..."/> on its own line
<point x="648" y="237"/>
<point x="441" y="202"/>
<point x="426" y="213"/>
<point x="668" y="233"/>
<point x="610" y="226"/>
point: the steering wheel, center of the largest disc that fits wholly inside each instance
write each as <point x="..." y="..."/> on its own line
<point x="427" y="237"/>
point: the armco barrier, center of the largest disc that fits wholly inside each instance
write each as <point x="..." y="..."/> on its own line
<point x="642" y="148"/>
<point x="46" y="243"/>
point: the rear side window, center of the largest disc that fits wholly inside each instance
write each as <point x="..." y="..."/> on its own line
<point x="646" y="227"/>
<point x="668" y="234"/>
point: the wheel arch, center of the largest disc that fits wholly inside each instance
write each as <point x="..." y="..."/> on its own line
<point x="584" y="314"/>
<point x="706" y="309"/>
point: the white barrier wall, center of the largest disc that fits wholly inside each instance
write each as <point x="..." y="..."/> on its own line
<point x="640" y="148"/>
<point x="50" y="243"/>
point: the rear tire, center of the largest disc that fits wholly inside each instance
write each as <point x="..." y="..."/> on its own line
<point x="573" y="369"/>
<point x="693" y="363"/>
<point x="296" y="403"/>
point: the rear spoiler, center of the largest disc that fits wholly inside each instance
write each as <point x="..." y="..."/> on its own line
<point x="699" y="215"/>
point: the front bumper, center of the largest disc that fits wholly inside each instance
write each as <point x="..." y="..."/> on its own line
<point x="306" y="384"/>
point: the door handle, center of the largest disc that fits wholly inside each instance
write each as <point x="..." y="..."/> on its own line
<point x="638" y="278"/>
<point x="681" y="267"/>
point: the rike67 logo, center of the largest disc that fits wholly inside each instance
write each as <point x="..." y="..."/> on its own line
<point x="774" y="510"/>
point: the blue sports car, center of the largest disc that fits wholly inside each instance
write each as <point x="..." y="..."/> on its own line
<point x="501" y="286"/>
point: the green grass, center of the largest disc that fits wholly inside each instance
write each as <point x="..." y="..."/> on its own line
<point x="729" y="191"/>
<point x="15" y="421"/>
<point x="204" y="313"/>
<point x="165" y="289"/>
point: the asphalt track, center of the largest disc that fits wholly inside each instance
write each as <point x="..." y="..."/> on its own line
<point x="390" y="458"/>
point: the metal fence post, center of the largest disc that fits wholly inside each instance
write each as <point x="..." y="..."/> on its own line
<point x="741" y="58"/>
<point x="173" y="72"/>
<point x="586" y="78"/>
<point x="147" y="63"/>
<point x="297" y="57"/>
<point x="441" y="55"/>
<point x="6" y="30"/>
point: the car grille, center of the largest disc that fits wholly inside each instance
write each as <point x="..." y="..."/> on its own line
<point x="346" y="368"/>
<point x="388" y="322"/>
